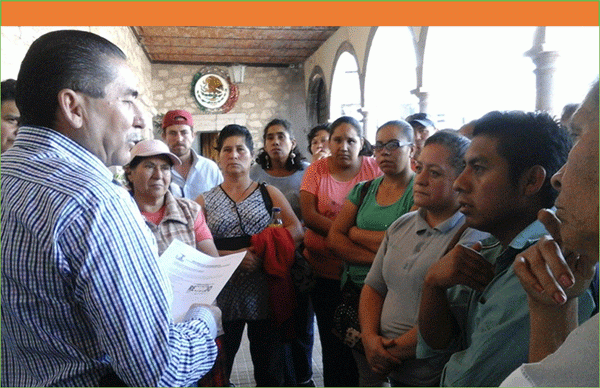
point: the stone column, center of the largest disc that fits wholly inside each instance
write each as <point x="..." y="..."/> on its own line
<point x="365" y="118"/>
<point x="544" y="79"/>
<point x="422" y="96"/>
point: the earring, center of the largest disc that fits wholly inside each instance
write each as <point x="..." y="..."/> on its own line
<point x="268" y="161"/>
<point x="292" y="157"/>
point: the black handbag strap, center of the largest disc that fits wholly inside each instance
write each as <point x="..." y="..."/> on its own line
<point x="363" y="192"/>
<point x="266" y="197"/>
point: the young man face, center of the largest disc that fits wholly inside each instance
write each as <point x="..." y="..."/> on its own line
<point x="577" y="182"/>
<point x="488" y="199"/>
<point x="179" y="138"/>
<point x="421" y="134"/>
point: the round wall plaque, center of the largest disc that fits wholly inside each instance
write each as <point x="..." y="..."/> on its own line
<point x="213" y="91"/>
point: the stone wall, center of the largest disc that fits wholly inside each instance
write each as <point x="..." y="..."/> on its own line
<point x="16" y="42"/>
<point x="265" y="94"/>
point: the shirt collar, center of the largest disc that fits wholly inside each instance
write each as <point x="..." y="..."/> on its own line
<point x="172" y="211"/>
<point x="529" y="235"/>
<point x="194" y="156"/>
<point x="444" y="227"/>
<point x="48" y="140"/>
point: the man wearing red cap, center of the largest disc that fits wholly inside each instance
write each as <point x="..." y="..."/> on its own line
<point x="196" y="174"/>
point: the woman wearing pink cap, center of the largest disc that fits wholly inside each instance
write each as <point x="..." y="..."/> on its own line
<point x="148" y="174"/>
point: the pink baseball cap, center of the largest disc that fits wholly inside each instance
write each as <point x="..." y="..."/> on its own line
<point x="147" y="148"/>
<point x="177" y="116"/>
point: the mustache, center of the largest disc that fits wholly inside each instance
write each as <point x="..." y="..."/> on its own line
<point x="134" y="137"/>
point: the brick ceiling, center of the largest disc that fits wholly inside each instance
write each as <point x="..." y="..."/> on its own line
<point x="255" y="46"/>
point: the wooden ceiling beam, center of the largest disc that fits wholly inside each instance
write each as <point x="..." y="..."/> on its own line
<point x="300" y="53"/>
<point x="179" y="58"/>
<point x="231" y="43"/>
<point x="237" y="33"/>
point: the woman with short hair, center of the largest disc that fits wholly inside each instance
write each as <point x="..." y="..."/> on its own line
<point x="389" y="301"/>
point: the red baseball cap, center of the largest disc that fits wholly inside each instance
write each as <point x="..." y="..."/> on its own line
<point x="177" y="116"/>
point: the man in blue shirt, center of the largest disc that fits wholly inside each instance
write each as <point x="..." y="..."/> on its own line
<point x="82" y="294"/>
<point x="472" y="303"/>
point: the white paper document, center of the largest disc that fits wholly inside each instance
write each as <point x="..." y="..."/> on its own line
<point x="195" y="276"/>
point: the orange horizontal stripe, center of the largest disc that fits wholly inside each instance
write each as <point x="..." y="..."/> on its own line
<point x="296" y="13"/>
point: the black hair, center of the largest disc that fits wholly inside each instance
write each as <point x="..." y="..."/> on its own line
<point x="527" y="139"/>
<point x="9" y="89"/>
<point x="454" y="142"/>
<point x="568" y="111"/>
<point x="313" y="132"/>
<point x="407" y="130"/>
<point x="235" y="130"/>
<point x="66" y="59"/>
<point x="367" y="149"/>
<point x="292" y="164"/>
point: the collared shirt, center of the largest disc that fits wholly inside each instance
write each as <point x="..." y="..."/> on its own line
<point x="81" y="287"/>
<point x="203" y="176"/>
<point x="493" y="324"/>
<point x="409" y="247"/>
<point x="180" y="219"/>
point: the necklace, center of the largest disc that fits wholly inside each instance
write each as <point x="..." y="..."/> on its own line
<point x="241" y="196"/>
<point x="244" y="192"/>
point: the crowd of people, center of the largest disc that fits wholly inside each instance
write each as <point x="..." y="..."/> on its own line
<point x="431" y="257"/>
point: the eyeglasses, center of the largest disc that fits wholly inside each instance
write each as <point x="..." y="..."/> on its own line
<point x="391" y="145"/>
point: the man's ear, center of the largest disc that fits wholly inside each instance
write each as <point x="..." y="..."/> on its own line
<point x="532" y="180"/>
<point x="70" y="107"/>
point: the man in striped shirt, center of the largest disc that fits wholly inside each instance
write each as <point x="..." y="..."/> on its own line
<point x="82" y="294"/>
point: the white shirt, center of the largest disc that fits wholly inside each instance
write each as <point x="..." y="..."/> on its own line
<point x="204" y="174"/>
<point x="574" y="364"/>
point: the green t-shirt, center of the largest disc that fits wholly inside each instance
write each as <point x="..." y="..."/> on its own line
<point x="371" y="216"/>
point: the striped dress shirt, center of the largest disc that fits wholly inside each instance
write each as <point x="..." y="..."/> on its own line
<point x="81" y="287"/>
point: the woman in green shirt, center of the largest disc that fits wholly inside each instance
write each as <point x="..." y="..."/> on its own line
<point x="372" y="206"/>
<point x="358" y="229"/>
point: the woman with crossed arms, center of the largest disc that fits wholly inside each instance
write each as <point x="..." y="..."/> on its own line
<point x="358" y="229"/>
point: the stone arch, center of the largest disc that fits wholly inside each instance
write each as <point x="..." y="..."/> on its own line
<point x="317" y="100"/>
<point x="345" y="48"/>
<point x="390" y="75"/>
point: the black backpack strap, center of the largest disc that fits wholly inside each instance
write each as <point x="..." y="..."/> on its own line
<point x="266" y="197"/>
<point x="363" y="192"/>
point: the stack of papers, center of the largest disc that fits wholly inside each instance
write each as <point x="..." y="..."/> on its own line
<point x="196" y="278"/>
